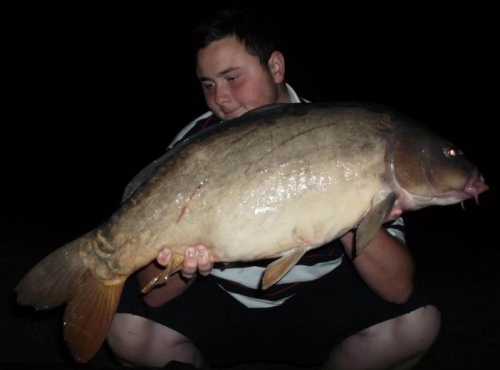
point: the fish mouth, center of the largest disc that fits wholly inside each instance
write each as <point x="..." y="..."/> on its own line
<point x="476" y="186"/>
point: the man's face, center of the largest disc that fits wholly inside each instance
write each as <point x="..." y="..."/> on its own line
<point x="232" y="80"/>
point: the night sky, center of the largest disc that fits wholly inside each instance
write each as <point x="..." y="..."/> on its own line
<point x="93" y="93"/>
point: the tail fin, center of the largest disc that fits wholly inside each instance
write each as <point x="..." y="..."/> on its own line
<point x="88" y="316"/>
<point x="55" y="279"/>
<point x="62" y="277"/>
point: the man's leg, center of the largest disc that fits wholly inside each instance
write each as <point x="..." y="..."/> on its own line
<point x="398" y="343"/>
<point x="137" y="341"/>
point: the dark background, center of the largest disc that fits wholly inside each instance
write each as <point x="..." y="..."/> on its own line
<point x="94" y="92"/>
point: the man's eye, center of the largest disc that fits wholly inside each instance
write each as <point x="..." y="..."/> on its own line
<point x="207" y="86"/>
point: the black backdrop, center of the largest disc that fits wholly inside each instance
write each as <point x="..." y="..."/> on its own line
<point x="93" y="92"/>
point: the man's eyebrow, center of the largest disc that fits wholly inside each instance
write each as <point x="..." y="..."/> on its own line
<point x="204" y="79"/>
<point x="220" y="74"/>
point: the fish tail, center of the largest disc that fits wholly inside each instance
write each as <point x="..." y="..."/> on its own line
<point x="54" y="280"/>
<point x="88" y="316"/>
<point x="62" y="277"/>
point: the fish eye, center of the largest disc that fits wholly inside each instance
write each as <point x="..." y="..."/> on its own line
<point x="451" y="151"/>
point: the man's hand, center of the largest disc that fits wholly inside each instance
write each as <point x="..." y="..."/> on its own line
<point x="196" y="260"/>
<point x="395" y="214"/>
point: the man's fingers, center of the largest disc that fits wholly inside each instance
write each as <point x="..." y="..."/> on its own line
<point x="164" y="257"/>
<point x="204" y="263"/>
<point x="190" y="263"/>
<point x="196" y="259"/>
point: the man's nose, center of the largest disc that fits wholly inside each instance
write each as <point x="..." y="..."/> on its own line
<point x="222" y="95"/>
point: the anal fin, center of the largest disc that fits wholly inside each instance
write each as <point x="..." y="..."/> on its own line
<point x="279" y="267"/>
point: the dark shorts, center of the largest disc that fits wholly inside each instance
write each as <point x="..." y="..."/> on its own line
<point x="301" y="332"/>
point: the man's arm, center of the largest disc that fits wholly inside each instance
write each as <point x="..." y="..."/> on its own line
<point x="385" y="265"/>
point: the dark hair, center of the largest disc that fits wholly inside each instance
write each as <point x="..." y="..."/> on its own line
<point x="246" y="25"/>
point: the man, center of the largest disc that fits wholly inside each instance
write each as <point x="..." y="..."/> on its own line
<point x="329" y="310"/>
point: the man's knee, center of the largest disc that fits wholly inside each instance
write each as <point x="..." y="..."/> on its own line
<point x="398" y="342"/>
<point x="419" y="328"/>
<point x="126" y="337"/>
<point x="138" y="341"/>
<point x="415" y="330"/>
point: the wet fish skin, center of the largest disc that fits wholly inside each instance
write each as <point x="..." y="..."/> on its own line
<point x="274" y="183"/>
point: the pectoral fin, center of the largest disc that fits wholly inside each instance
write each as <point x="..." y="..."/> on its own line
<point x="174" y="265"/>
<point x="372" y="222"/>
<point x="278" y="268"/>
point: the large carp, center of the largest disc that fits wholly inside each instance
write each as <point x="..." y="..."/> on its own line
<point x="275" y="182"/>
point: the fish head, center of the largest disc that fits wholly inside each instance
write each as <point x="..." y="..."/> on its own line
<point x="429" y="170"/>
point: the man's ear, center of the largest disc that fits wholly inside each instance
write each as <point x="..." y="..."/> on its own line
<point x="276" y="65"/>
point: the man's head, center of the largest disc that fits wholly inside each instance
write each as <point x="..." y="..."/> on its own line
<point x="237" y="64"/>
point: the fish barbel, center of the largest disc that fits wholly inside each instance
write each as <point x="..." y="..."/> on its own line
<point x="274" y="183"/>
